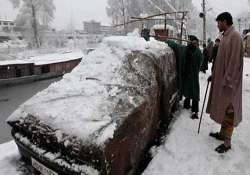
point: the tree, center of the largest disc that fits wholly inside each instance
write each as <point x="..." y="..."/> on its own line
<point x="34" y="15"/>
<point x="117" y="11"/>
<point x="120" y="11"/>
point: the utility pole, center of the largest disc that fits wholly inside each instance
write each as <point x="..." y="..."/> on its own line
<point x="239" y="22"/>
<point x="204" y="21"/>
<point x="182" y="24"/>
<point x="124" y="17"/>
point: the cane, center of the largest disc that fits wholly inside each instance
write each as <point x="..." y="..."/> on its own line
<point x="203" y="107"/>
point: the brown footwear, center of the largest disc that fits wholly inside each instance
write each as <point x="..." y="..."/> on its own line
<point x="217" y="136"/>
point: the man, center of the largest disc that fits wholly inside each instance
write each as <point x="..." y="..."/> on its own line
<point x="214" y="52"/>
<point x="190" y="59"/>
<point x="210" y="45"/>
<point x="204" y="66"/>
<point x="225" y="98"/>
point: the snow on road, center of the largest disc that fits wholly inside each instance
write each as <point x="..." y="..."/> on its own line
<point x="186" y="152"/>
<point x="10" y="160"/>
<point x="183" y="150"/>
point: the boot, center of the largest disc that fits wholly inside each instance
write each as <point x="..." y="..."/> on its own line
<point x="217" y="136"/>
<point x="222" y="148"/>
<point x="194" y="116"/>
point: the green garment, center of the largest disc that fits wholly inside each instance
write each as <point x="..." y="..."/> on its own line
<point x="188" y="67"/>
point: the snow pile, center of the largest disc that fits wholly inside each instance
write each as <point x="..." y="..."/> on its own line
<point x="186" y="152"/>
<point x="9" y="159"/>
<point x="56" y="57"/>
<point x="81" y="104"/>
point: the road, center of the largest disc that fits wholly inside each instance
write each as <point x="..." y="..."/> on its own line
<point x="12" y="97"/>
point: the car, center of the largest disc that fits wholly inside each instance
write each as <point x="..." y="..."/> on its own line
<point x="103" y="116"/>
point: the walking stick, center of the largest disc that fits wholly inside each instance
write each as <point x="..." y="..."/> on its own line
<point x="203" y="107"/>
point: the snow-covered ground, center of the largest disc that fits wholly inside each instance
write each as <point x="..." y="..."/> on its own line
<point x="10" y="160"/>
<point x="183" y="151"/>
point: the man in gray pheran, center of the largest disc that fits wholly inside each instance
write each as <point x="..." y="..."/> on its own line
<point x="225" y="98"/>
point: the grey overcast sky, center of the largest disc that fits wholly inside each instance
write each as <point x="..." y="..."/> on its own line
<point x="76" y="11"/>
<point x="80" y="10"/>
<point x="233" y="6"/>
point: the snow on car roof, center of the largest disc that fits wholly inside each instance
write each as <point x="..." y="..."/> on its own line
<point x="80" y="104"/>
<point x="45" y="59"/>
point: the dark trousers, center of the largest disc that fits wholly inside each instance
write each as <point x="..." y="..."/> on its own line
<point x="195" y="105"/>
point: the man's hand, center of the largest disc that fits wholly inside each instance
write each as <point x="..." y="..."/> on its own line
<point x="209" y="79"/>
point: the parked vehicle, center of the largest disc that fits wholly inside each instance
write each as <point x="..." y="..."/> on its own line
<point x="102" y="117"/>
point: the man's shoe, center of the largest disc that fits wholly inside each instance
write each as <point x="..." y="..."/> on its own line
<point x="186" y="106"/>
<point x="217" y="136"/>
<point x="222" y="148"/>
<point x="194" y="116"/>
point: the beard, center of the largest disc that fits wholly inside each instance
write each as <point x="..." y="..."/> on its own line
<point x="191" y="47"/>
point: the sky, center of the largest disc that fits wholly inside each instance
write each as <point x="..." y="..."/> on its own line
<point x="76" y="11"/>
<point x="67" y="12"/>
<point x="233" y="6"/>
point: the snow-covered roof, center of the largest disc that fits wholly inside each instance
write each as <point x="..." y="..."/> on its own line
<point x="6" y="20"/>
<point x="162" y="26"/>
<point x="55" y="58"/>
<point x="13" y="62"/>
<point x="45" y="59"/>
<point x="83" y="101"/>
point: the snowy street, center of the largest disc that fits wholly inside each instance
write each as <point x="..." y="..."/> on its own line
<point x="186" y="152"/>
<point x="183" y="151"/>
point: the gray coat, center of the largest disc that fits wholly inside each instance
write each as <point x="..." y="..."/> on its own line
<point x="226" y="86"/>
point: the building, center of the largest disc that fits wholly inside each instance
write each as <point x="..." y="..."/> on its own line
<point x="6" y="25"/>
<point x="92" y="27"/>
<point x="107" y="30"/>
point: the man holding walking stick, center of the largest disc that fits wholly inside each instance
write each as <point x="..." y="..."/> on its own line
<point x="225" y="98"/>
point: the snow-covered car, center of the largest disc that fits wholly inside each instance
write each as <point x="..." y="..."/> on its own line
<point x="100" y="118"/>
